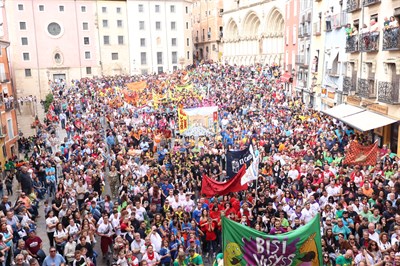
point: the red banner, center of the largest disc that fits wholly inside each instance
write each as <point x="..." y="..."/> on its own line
<point x="358" y="154"/>
<point x="210" y="187"/>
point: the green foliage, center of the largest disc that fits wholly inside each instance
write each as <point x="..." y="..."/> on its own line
<point x="47" y="102"/>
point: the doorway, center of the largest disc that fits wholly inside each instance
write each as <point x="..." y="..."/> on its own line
<point x="59" y="77"/>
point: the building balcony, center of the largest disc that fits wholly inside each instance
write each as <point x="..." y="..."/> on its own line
<point x="8" y="105"/>
<point x="4" y="77"/>
<point x="353" y="5"/>
<point x="317" y="28"/>
<point x="352" y="44"/>
<point x="196" y="39"/>
<point x="349" y="85"/>
<point x="339" y="20"/>
<point x="391" y="39"/>
<point x="300" y="59"/>
<point x="370" y="2"/>
<point x="388" y="92"/>
<point x="333" y="72"/>
<point x="366" y="88"/>
<point x="369" y="42"/>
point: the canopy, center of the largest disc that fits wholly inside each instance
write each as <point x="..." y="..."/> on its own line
<point x="365" y="121"/>
<point x="342" y="110"/>
<point x="197" y="131"/>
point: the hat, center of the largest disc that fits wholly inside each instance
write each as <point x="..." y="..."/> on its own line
<point x="31" y="230"/>
<point x="192" y="240"/>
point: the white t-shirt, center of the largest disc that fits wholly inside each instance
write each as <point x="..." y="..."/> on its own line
<point x="51" y="221"/>
<point x="307" y="215"/>
<point x="105" y="229"/>
<point x="140" y="213"/>
<point x="152" y="262"/>
<point x="73" y="229"/>
<point x="60" y="234"/>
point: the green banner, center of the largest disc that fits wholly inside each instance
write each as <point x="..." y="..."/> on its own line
<point x="243" y="245"/>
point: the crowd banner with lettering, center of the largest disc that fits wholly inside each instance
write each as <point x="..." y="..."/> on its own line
<point x="236" y="159"/>
<point x="183" y="122"/>
<point x="137" y="86"/>
<point x="243" y="245"/>
<point x="358" y="154"/>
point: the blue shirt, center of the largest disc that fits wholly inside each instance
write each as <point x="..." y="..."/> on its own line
<point x="57" y="260"/>
<point x="164" y="251"/>
<point x="50" y="177"/>
<point x="196" y="215"/>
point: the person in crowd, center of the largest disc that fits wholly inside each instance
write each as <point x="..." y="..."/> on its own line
<point x="121" y="138"/>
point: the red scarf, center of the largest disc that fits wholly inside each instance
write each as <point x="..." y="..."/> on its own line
<point x="150" y="256"/>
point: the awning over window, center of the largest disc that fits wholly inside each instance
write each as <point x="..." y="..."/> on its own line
<point x="342" y="110"/>
<point x="365" y="121"/>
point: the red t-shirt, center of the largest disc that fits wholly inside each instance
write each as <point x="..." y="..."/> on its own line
<point x="210" y="234"/>
<point x="33" y="244"/>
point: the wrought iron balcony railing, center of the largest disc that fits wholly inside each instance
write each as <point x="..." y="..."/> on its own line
<point x="388" y="92"/>
<point x="366" y="88"/>
<point x="370" y="2"/>
<point x="349" y="85"/>
<point x="353" y="5"/>
<point x="369" y="42"/>
<point x="300" y="59"/>
<point x="391" y="39"/>
<point x="352" y="44"/>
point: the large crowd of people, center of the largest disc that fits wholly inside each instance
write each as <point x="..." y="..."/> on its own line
<point x="155" y="213"/>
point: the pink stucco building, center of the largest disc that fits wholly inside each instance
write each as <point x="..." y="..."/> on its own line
<point x="51" y="40"/>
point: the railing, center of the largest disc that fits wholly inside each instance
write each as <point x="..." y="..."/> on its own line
<point x="301" y="31"/>
<point x="369" y="42"/>
<point x="352" y="44"/>
<point x="370" y="2"/>
<point x="335" y="21"/>
<point x="9" y="105"/>
<point x="391" y="39"/>
<point x="366" y="88"/>
<point x="343" y="19"/>
<point x="317" y="28"/>
<point x="388" y="92"/>
<point x="353" y="5"/>
<point x="347" y="82"/>
<point x="300" y="59"/>
<point x="333" y="72"/>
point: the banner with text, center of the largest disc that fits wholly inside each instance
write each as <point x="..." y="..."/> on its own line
<point x="236" y="159"/>
<point x="243" y="245"/>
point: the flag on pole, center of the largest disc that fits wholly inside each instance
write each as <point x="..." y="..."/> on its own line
<point x="358" y="154"/>
<point x="251" y="172"/>
<point x="210" y="187"/>
<point x="243" y="245"/>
